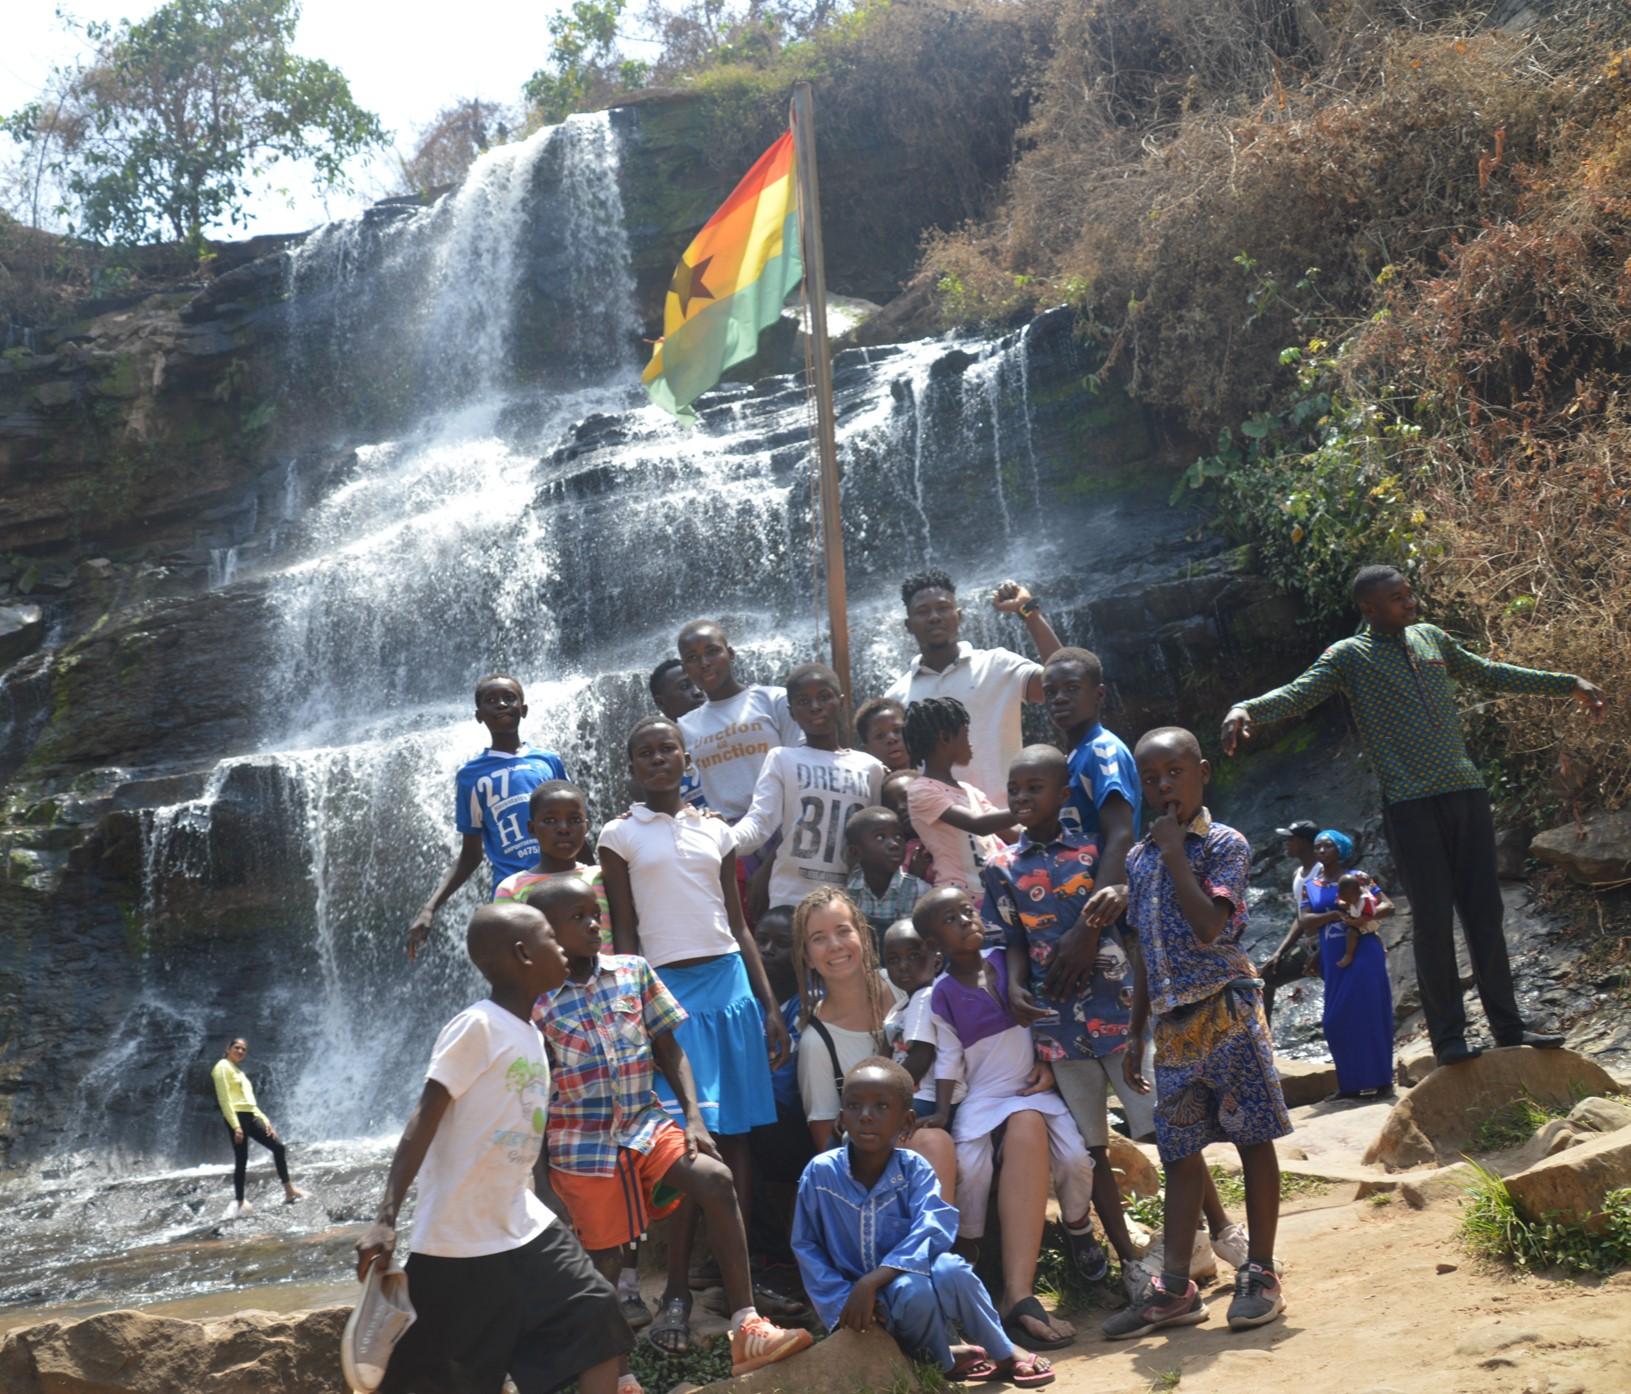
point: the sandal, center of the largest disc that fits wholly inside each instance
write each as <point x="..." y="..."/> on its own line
<point x="1030" y="1307"/>
<point x="671" y="1332"/>
<point x="1029" y="1371"/>
<point x="972" y="1366"/>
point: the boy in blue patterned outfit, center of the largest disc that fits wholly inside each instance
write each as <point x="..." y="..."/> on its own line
<point x="491" y="794"/>
<point x="1214" y="1059"/>
<point x="1037" y="891"/>
<point x="873" y="1239"/>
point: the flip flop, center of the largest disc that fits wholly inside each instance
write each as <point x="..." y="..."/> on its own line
<point x="674" y="1320"/>
<point x="1030" y="1307"/>
<point x="1030" y="1372"/>
<point x="972" y="1366"/>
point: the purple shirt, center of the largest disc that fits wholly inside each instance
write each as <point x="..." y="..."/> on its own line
<point x="972" y="1012"/>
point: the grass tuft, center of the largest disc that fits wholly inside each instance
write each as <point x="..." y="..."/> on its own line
<point x="1513" y="1124"/>
<point x="1493" y="1228"/>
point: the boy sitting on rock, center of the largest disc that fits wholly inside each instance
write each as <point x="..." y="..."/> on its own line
<point x="873" y="1239"/>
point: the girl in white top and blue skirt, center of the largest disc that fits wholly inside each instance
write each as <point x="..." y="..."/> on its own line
<point x="670" y="879"/>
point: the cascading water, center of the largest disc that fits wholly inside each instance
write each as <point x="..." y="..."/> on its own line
<point x="507" y="500"/>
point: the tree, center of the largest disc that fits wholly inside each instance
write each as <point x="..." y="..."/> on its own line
<point x="585" y="65"/>
<point x="159" y="133"/>
<point x="448" y="146"/>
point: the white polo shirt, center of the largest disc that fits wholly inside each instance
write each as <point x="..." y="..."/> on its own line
<point x="991" y="684"/>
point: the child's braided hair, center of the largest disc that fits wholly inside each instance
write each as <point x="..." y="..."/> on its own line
<point x="929" y="722"/>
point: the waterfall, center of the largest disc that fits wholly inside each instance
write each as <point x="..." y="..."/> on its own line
<point x="506" y="499"/>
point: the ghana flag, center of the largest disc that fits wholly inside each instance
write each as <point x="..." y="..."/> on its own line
<point x="729" y="285"/>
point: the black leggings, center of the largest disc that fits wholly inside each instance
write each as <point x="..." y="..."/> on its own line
<point x="253" y="1128"/>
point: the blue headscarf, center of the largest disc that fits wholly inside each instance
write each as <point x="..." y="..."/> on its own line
<point x="1344" y="844"/>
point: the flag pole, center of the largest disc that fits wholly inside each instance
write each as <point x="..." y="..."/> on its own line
<point x="815" y="276"/>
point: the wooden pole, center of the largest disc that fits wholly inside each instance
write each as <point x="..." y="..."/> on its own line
<point x="815" y="281"/>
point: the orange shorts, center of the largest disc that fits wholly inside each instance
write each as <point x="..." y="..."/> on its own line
<point x="611" y="1210"/>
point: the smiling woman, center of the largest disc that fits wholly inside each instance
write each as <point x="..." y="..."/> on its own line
<point x="244" y="1119"/>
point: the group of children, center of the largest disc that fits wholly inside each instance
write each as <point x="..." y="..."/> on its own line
<point x="840" y="976"/>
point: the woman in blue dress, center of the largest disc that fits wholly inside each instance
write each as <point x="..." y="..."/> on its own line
<point x="1358" y="998"/>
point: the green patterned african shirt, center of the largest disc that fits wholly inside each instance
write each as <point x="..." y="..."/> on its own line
<point x="1401" y="689"/>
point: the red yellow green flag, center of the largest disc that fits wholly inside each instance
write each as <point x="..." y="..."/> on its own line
<point x="730" y="284"/>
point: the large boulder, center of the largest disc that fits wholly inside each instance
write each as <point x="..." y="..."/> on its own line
<point x="1571" y="1185"/>
<point x="135" y="1353"/>
<point x="1436" y="1121"/>
<point x="1596" y="852"/>
<point x="843" y="1363"/>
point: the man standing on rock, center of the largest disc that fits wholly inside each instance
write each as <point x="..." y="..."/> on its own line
<point x="1397" y="676"/>
<point x="991" y="683"/>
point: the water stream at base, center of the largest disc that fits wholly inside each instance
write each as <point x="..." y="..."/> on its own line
<point x="550" y="524"/>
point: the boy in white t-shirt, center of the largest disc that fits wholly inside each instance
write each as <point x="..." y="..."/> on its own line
<point x="913" y="967"/>
<point x="809" y="792"/>
<point x="499" y="1286"/>
<point x="730" y="734"/>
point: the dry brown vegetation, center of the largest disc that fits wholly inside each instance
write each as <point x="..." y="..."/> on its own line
<point x="1464" y="191"/>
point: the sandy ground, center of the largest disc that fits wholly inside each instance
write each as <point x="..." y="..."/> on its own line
<point x="1368" y="1311"/>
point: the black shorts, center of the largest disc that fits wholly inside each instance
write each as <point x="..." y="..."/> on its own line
<point x="540" y="1314"/>
<point x="782" y="1149"/>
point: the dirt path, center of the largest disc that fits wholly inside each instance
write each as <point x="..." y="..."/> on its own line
<point x="1368" y="1312"/>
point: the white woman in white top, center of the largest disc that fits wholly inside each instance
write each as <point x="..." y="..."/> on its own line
<point x="845" y="999"/>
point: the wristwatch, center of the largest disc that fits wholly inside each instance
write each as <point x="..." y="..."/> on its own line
<point x="1029" y="608"/>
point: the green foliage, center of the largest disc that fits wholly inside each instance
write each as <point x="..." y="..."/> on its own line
<point x="1493" y="1227"/>
<point x="1320" y="482"/>
<point x="582" y="51"/>
<point x="160" y="135"/>
<point x="1515" y="1122"/>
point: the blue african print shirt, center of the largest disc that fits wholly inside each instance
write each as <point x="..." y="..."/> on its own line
<point x="1401" y="688"/>
<point x="1180" y="968"/>
<point x="1035" y="891"/>
<point x="1101" y="765"/>
<point x="491" y="794"/>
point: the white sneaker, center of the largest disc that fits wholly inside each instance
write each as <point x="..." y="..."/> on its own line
<point x="1230" y="1245"/>
<point x="245" y="1208"/>
<point x="233" y="1211"/>
<point x="380" y="1319"/>
<point x="1203" y="1267"/>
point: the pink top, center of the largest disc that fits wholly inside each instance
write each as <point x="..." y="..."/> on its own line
<point x="958" y="856"/>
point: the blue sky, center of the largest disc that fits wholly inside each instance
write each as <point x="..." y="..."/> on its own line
<point x="405" y="59"/>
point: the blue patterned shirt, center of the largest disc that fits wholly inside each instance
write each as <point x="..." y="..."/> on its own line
<point x="598" y="1035"/>
<point x="1180" y="968"/>
<point x="1035" y="891"/>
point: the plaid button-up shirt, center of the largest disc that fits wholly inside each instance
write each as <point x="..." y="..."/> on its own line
<point x="599" y="1035"/>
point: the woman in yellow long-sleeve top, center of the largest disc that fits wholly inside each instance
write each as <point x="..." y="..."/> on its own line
<point x="244" y="1120"/>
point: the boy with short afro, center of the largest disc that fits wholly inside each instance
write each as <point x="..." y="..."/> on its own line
<point x="873" y="1237"/>
<point x="1214" y="1058"/>
<point x="499" y="1285"/>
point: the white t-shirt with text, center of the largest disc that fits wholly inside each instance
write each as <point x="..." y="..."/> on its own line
<point x="728" y="741"/>
<point x="809" y="795"/>
<point x="475" y="1186"/>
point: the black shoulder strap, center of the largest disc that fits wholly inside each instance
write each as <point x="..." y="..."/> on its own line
<point x="832" y="1054"/>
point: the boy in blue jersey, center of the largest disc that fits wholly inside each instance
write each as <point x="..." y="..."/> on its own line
<point x="491" y="792"/>
<point x="1102" y="807"/>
